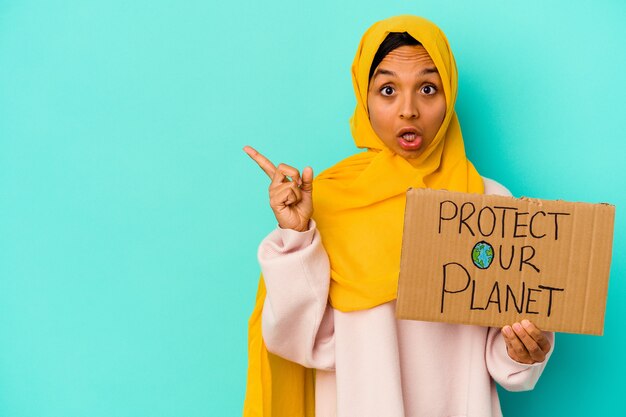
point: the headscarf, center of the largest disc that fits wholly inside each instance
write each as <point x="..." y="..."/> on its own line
<point x="359" y="211"/>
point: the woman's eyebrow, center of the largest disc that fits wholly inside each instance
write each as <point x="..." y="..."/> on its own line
<point x="383" y="72"/>
<point x="429" y="71"/>
<point x="425" y="71"/>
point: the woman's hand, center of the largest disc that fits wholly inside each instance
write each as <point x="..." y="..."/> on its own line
<point x="290" y="200"/>
<point x="525" y="342"/>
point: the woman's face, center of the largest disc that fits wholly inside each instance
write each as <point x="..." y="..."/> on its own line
<point x="406" y="101"/>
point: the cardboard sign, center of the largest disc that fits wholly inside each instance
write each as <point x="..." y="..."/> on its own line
<point x="493" y="260"/>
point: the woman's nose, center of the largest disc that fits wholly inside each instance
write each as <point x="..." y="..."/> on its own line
<point x="408" y="108"/>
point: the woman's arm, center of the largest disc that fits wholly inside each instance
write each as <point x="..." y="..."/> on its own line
<point x="297" y="321"/>
<point x="510" y="374"/>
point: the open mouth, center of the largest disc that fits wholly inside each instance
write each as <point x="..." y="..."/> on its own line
<point x="409" y="138"/>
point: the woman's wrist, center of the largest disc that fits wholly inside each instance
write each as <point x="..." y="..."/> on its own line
<point x="305" y="227"/>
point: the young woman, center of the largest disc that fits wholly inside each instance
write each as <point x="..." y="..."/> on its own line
<point x="326" y="299"/>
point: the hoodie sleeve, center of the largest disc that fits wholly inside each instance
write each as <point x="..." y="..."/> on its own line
<point x="297" y="321"/>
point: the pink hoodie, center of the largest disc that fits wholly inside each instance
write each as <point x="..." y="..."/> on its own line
<point x="368" y="362"/>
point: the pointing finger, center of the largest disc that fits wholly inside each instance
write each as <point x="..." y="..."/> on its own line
<point x="277" y="179"/>
<point x="266" y="165"/>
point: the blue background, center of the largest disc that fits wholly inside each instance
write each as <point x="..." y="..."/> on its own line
<point x="130" y="217"/>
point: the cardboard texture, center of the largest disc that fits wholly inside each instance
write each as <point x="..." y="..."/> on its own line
<point x="493" y="260"/>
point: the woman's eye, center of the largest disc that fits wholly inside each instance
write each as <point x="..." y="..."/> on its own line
<point x="387" y="90"/>
<point x="429" y="89"/>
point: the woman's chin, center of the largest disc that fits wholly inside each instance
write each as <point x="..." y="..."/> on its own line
<point x="410" y="154"/>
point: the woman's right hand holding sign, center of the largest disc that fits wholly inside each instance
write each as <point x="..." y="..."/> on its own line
<point x="290" y="193"/>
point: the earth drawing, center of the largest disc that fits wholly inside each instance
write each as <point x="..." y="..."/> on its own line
<point x="482" y="255"/>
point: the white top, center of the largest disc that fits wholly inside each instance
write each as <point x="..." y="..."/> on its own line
<point x="368" y="362"/>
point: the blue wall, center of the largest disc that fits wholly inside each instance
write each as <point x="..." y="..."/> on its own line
<point x="130" y="217"/>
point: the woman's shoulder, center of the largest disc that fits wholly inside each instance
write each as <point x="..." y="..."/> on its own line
<point x="495" y="188"/>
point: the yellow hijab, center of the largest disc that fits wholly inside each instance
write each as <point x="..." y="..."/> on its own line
<point x="359" y="211"/>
